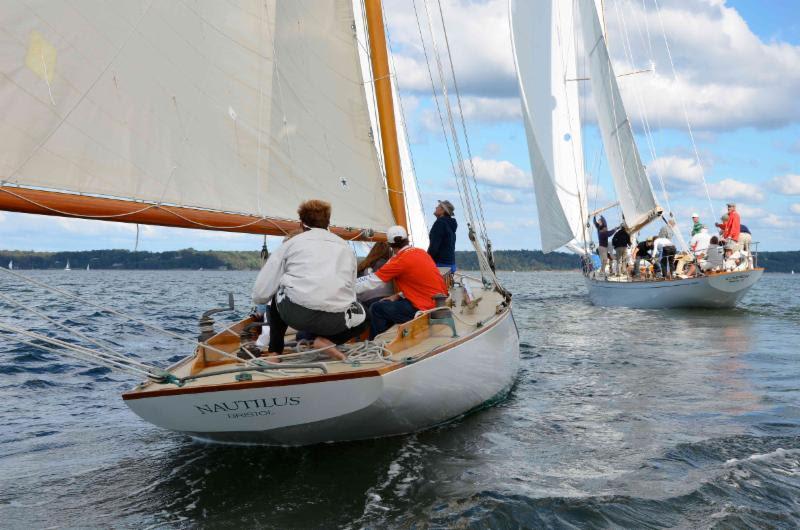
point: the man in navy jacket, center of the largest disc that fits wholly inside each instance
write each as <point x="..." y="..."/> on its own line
<point x="442" y="247"/>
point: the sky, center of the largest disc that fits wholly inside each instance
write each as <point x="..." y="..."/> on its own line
<point x="737" y="75"/>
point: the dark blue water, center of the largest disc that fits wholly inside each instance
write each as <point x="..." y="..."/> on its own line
<point x="632" y="418"/>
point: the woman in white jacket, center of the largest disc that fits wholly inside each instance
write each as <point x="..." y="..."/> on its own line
<point x="310" y="282"/>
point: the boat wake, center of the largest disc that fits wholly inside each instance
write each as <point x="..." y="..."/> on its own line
<point x="747" y="481"/>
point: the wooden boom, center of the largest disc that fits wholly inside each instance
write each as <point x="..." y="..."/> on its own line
<point x="25" y="200"/>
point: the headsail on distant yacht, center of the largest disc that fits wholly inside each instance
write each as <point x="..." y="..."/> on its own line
<point x="546" y="35"/>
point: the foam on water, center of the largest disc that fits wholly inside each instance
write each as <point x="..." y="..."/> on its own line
<point x="619" y="417"/>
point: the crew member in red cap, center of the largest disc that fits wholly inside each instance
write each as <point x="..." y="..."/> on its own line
<point x="416" y="279"/>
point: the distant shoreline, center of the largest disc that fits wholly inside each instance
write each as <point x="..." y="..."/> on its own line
<point x="215" y="260"/>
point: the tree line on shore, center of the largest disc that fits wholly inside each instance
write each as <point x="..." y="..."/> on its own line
<point x="191" y="259"/>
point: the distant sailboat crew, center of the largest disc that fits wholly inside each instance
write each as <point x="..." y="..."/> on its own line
<point x="545" y="37"/>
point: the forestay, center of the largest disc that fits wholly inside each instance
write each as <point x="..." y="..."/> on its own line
<point x="237" y="106"/>
<point x="634" y="191"/>
<point x="543" y="36"/>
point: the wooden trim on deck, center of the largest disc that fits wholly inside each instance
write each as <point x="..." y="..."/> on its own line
<point x="377" y="372"/>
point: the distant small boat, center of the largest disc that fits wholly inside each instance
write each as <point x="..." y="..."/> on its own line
<point x="11" y="265"/>
<point x="67" y="267"/>
<point x="87" y="267"/>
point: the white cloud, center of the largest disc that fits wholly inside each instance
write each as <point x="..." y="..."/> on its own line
<point x="501" y="173"/>
<point x="728" y="77"/>
<point x="503" y="196"/>
<point x="479" y="41"/>
<point x="727" y="189"/>
<point x="476" y="109"/>
<point x="749" y="212"/>
<point x="676" y="171"/>
<point x="795" y="208"/>
<point x="491" y="109"/>
<point x="775" y="221"/>
<point x="786" y="185"/>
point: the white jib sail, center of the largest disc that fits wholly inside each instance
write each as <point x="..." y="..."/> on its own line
<point x="544" y="49"/>
<point x="242" y="106"/>
<point x="634" y="191"/>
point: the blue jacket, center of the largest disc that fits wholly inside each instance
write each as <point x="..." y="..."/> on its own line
<point x="442" y="247"/>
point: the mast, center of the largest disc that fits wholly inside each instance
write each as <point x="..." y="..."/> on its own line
<point x="383" y="93"/>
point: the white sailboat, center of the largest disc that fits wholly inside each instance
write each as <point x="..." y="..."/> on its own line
<point x="67" y="267"/>
<point x="545" y="36"/>
<point x="11" y="264"/>
<point x="224" y="116"/>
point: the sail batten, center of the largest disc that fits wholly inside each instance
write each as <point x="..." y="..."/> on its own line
<point x="634" y="190"/>
<point x="544" y="51"/>
<point x="242" y="106"/>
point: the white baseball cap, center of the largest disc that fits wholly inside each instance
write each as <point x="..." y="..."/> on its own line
<point x="695" y="215"/>
<point x="394" y="232"/>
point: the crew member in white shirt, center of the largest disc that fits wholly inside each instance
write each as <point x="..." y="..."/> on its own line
<point x="664" y="253"/>
<point x="310" y="281"/>
<point x="699" y="242"/>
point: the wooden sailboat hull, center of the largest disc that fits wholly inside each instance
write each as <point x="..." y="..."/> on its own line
<point x="472" y="372"/>
<point x="714" y="291"/>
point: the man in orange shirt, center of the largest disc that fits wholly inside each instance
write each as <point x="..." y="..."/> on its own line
<point x="415" y="276"/>
<point x="732" y="227"/>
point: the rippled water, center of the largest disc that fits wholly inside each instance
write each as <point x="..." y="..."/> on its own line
<point x="636" y="418"/>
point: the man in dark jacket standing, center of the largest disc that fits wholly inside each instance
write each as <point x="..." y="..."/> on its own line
<point x="442" y="247"/>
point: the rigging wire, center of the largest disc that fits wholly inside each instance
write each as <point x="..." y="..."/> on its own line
<point x="83" y="353"/>
<point x="644" y="115"/>
<point x="436" y="97"/>
<point x="118" y="313"/>
<point x="685" y="112"/>
<point x="105" y="348"/>
<point x="463" y="184"/>
<point x="453" y="161"/>
<point x="463" y="123"/>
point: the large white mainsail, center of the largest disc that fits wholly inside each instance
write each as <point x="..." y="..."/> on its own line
<point x="239" y="106"/>
<point x="634" y="190"/>
<point x="543" y="38"/>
